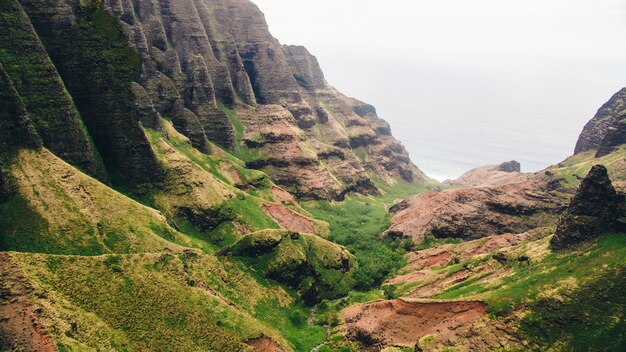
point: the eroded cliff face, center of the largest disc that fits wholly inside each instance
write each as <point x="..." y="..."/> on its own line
<point x="203" y="60"/>
<point x="607" y="129"/>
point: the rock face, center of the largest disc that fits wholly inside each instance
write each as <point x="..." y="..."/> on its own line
<point x="594" y="210"/>
<point x="16" y="128"/>
<point x="202" y="59"/>
<point x="510" y="166"/>
<point x="607" y="129"/>
<point x="208" y="66"/>
<point x="41" y="91"/>
<point x="491" y="175"/>
<point x="475" y="212"/>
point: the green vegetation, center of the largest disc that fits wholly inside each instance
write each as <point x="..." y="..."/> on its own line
<point x="62" y="211"/>
<point x="241" y="151"/>
<point x="432" y="241"/>
<point x="576" y="167"/>
<point x="315" y="267"/>
<point x="292" y="323"/>
<point x="556" y="274"/>
<point x="150" y="302"/>
<point x="358" y="222"/>
<point x="591" y="318"/>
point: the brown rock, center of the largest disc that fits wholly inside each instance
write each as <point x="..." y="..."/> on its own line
<point x="594" y="210"/>
<point x="476" y="212"/>
<point x="490" y="175"/>
<point x="607" y="129"/>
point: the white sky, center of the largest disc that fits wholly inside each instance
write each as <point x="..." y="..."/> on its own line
<point x="411" y="29"/>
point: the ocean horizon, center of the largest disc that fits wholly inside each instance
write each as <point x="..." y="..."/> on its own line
<point x="452" y="118"/>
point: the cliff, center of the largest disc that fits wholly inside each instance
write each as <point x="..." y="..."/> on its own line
<point x="215" y="71"/>
<point x="607" y="129"/>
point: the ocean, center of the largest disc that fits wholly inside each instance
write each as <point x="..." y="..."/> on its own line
<point x="453" y="117"/>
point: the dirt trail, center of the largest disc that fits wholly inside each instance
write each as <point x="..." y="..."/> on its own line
<point x="403" y="323"/>
<point x="20" y="324"/>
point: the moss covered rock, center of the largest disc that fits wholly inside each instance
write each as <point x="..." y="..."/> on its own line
<point x="316" y="268"/>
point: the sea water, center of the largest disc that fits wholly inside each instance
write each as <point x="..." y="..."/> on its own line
<point x="452" y="117"/>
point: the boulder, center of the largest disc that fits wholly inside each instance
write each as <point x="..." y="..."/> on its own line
<point x="594" y="210"/>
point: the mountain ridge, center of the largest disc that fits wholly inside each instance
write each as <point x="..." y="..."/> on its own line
<point x="173" y="178"/>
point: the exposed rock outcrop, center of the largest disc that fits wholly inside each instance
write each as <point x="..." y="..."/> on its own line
<point x="491" y="175"/>
<point x="593" y="211"/>
<point x="607" y="129"/>
<point x="200" y="57"/>
<point x="98" y="69"/>
<point x="476" y="212"/>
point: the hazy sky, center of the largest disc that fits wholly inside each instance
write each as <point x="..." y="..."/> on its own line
<point x="467" y="82"/>
<point x="413" y="28"/>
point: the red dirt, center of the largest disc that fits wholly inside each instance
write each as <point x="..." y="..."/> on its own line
<point x="282" y="195"/>
<point x="234" y="175"/>
<point x="429" y="258"/>
<point x="402" y="323"/>
<point x="496" y="242"/>
<point x="20" y="325"/>
<point x="289" y="219"/>
<point x="264" y="344"/>
<point x="405" y="278"/>
<point x="438" y="286"/>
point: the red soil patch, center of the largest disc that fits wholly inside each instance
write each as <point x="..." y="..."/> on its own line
<point x="234" y="175"/>
<point x="289" y="219"/>
<point x="20" y="325"/>
<point x="405" y="278"/>
<point x="402" y="323"/>
<point x="496" y="242"/>
<point x="264" y="344"/>
<point x="282" y="195"/>
<point x="429" y="258"/>
<point x="440" y="285"/>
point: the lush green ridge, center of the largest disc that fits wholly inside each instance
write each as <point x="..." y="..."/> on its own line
<point x="98" y="69"/>
<point x="357" y="223"/>
<point x="42" y="91"/>
<point x="179" y="253"/>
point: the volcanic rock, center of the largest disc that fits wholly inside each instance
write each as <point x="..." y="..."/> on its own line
<point x="475" y="212"/>
<point x="490" y="175"/>
<point x="594" y="210"/>
<point x="607" y="129"/>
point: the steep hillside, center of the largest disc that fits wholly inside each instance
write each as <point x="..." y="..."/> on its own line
<point x="605" y="131"/>
<point x="172" y="178"/>
<point x="514" y="262"/>
<point x="494" y="202"/>
<point x="144" y="147"/>
<point x="215" y="71"/>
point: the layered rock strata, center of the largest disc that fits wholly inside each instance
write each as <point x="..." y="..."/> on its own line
<point x="202" y="58"/>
